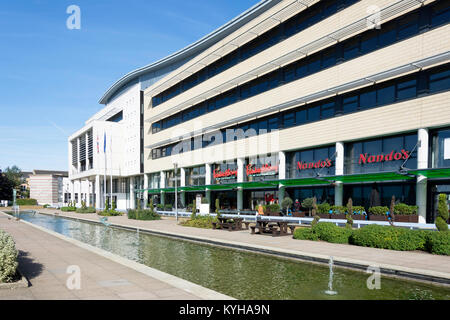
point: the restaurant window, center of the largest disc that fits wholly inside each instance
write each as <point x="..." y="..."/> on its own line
<point x="261" y="168"/>
<point x="440" y="149"/>
<point x="385" y="154"/>
<point x="311" y="162"/>
<point x="195" y="176"/>
<point x="224" y="172"/>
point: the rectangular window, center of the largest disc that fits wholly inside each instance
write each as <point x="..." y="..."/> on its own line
<point x="368" y="42"/>
<point x="314" y="65"/>
<point x="329" y="58"/>
<point x="350" y="104"/>
<point x="386" y="95"/>
<point x="288" y="119"/>
<point x="314" y="113"/>
<point x="408" y="26"/>
<point x="300" y="117"/>
<point x="368" y="99"/>
<point x="351" y="49"/>
<point x="387" y="36"/>
<point x="440" y="13"/>
<point x="327" y="110"/>
<point x="273" y="123"/>
<point x="439" y="81"/>
<point x="406" y="89"/>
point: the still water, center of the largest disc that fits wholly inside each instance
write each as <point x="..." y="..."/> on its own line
<point x="242" y="275"/>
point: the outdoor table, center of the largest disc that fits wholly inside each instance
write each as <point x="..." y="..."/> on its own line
<point x="224" y="223"/>
<point x="262" y="227"/>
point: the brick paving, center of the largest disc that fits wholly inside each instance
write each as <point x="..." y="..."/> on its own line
<point x="44" y="258"/>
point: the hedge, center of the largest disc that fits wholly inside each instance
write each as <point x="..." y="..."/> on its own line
<point x="86" y="210"/>
<point x="26" y="202"/>
<point x="109" y="213"/>
<point x="8" y="257"/>
<point x="143" y="215"/>
<point x="204" y="222"/>
<point x="68" y="209"/>
<point x="377" y="236"/>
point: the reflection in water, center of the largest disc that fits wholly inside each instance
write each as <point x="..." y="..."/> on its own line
<point x="242" y="275"/>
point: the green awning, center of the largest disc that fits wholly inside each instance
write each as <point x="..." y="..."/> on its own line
<point x="432" y="173"/>
<point x="370" y="177"/>
<point x="192" y="188"/>
<point x="302" y="182"/>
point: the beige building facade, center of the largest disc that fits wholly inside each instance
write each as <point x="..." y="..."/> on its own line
<point x="334" y="99"/>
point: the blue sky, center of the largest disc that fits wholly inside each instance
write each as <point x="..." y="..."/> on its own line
<point x="52" y="78"/>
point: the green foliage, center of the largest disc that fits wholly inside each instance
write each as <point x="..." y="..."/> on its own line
<point x="159" y="206"/>
<point x="324" y="208"/>
<point x="205" y="200"/>
<point x="14" y="175"/>
<point x="8" y="257"/>
<point x="307" y="203"/>
<point x="46" y="206"/>
<point x="305" y="234"/>
<point x="106" y="205"/>
<point x="194" y="210"/>
<point x="315" y="220"/>
<point x="152" y="207"/>
<point x="332" y="233"/>
<point x="6" y="188"/>
<point x="404" y="209"/>
<point x="339" y="209"/>
<point x="114" y="207"/>
<point x="26" y="202"/>
<point x="378" y="210"/>
<point x="168" y="207"/>
<point x="358" y="210"/>
<point x="68" y="209"/>
<point x="275" y="208"/>
<point x="85" y="210"/>
<point x="204" y="222"/>
<point x="441" y="220"/>
<point x="217" y="208"/>
<point x="83" y="205"/>
<point x="438" y="243"/>
<point x="140" y="214"/>
<point x="348" y="216"/>
<point x="286" y="203"/>
<point x="389" y="237"/>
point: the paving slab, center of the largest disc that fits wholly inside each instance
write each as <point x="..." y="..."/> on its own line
<point x="44" y="258"/>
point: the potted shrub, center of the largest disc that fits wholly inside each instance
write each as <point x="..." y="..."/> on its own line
<point x="308" y="204"/>
<point x="338" y="212"/>
<point x="406" y="213"/>
<point x="442" y="217"/>
<point x="359" y="213"/>
<point x="323" y="210"/>
<point x="273" y="210"/>
<point x="286" y="204"/>
<point x="378" y="213"/>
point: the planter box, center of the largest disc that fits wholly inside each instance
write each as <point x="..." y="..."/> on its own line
<point x="374" y="217"/>
<point x="299" y="214"/>
<point x="358" y="217"/>
<point x="407" y="218"/>
<point x="324" y="215"/>
<point x="337" y="216"/>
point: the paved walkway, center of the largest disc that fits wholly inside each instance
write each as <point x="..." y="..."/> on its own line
<point x="417" y="261"/>
<point x="44" y="259"/>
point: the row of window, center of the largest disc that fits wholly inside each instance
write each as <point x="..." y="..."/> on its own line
<point x="419" y="84"/>
<point x="299" y="22"/>
<point x="396" y="30"/>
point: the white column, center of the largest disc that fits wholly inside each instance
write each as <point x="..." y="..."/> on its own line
<point x="97" y="192"/>
<point x="88" y="194"/>
<point x="72" y="192"/>
<point x="281" y="174"/>
<point x="183" y="184"/>
<point x="132" y="194"/>
<point x="422" y="163"/>
<point x="339" y="170"/>
<point x="163" y="185"/>
<point x="145" y="192"/>
<point x="240" y="178"/>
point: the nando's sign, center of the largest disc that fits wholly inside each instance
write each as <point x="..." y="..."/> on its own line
<point x="314" y="165"/>
<point x="392" y="156"/>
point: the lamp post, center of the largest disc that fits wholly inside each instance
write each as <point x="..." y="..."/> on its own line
<point x="175" y="165"/>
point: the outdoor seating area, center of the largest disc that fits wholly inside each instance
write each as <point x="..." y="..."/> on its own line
<point x="230" y="224"/>
<point x="273" y="227"/>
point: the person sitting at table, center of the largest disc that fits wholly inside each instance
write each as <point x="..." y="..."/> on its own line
<point x="297" y="205"/>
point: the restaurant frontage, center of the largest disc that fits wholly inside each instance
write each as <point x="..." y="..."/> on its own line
<point x="369" y="171"/>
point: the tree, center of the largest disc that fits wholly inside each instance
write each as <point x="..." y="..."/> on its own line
<point x="15" y="175"/>
<point x="6" y="188"/>
<point x="441" y="220"/>
<point x="348" y="216"/>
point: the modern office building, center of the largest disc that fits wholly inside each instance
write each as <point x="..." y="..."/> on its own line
<point x="98" y="173"/>
<point x="332" y="98"/>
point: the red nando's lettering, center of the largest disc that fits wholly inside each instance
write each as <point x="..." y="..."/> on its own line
<point x="250" y="170"/>
<point x="366" y="158"/>
<point x="217" y="174"/>
<point x="314" y="165"/>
